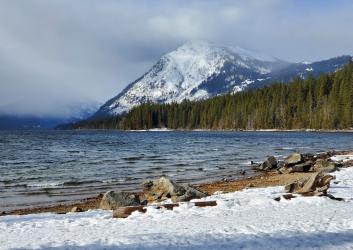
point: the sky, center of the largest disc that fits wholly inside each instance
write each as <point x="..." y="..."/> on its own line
<point x="59" y="56"/>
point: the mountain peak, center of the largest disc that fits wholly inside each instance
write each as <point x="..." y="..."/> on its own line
<point x="199" y="69"/>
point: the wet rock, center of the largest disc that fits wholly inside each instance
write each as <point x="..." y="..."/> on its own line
<point x="164" y="188"/>
<point x="113" y="199"/>
<point x="270" y="163"/>
<point x="293" y="159"/>
<point x="316" y="184"/>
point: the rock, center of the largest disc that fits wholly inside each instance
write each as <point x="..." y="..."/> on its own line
<point x="302" y="167"/>
<point x="308" y="157"/>
<point x="242" y="172"/>
<point x="316" y="184"/>
<point x="269" y="164"/>
<point x="346" y="164"/>
<point x="164" y="188"/>
<point x="295" y="186"/>
<point x="124" y="212"/>
<point x="323" y="156"/>
<point x="280" y="167"/>
<point x="113" y="199"/>
<point x="293" y="159"/>
<point x="76" y="210"/>
<point x="280" y="164"/>
<point x="284" y="170"/>
<point x="310" y="185"/>
<point x="191" y="193"/>
<point x="325" y="166"/>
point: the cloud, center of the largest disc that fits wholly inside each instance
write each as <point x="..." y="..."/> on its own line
<point x="60" y="54"/>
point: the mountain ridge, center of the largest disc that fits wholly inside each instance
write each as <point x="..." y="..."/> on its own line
<point x="200" y="70"/>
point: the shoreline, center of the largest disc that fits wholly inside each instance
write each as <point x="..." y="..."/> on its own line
<point x="264" y="179"/>
<point x="221" y="130"/>
<point x="260" y="179"/>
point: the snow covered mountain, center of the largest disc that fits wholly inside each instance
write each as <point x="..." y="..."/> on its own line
<point x="199" y="70"/>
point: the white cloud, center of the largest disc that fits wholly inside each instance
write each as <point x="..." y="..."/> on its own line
<point x="55" y="54"/>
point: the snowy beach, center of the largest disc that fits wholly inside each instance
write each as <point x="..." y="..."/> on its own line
<point x="248" y="219"/>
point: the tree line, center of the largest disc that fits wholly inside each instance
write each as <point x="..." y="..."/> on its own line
<point x="325" y="102"/>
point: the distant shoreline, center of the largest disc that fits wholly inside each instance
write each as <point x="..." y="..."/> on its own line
<point x="225" y="130"/>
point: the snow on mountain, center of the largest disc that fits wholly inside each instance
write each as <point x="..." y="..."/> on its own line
<point x="199" y="70"/>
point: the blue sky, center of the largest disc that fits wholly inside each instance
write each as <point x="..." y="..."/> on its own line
<point x="58" y="55"/>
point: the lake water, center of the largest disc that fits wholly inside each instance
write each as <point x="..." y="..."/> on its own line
<point x="42" y="167"/>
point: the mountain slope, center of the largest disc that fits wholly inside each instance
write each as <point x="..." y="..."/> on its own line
<point x="200" y="70"/>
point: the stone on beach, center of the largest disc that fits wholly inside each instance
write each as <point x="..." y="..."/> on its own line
<point x="302" y="167"/>
<point x="113" y="199"/>
<point x="270" y="163"/>
<point x="316" y="184"/>
<point x="293" y="159"/>
<point x="164" y="188"/>
<point x="325" y="166"/>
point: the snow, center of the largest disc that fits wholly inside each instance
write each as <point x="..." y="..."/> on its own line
<point x="248" y="219"/>
<point x="342" y="158"/>
<point x="309" y="69"/>
<point x="242" y="86"/>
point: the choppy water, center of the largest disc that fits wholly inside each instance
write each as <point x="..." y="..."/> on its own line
<point x="41" y="167"/>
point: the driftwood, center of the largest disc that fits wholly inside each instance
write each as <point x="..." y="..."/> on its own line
<point x="124" y="212"/>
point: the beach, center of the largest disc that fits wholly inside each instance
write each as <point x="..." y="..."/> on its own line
<point x="248" y="215"/>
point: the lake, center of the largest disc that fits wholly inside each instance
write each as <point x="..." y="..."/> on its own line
<point x="43" y="167"/>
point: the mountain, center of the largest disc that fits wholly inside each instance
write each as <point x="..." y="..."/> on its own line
<point x="200" y="70"/>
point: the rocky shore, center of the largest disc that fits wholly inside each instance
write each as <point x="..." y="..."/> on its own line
<point x="301" y="174"/>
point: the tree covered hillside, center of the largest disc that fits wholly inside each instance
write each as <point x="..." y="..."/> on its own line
<point x="315" y="103"/>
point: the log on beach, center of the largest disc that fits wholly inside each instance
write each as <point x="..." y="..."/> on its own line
<point x="124" y="212"/>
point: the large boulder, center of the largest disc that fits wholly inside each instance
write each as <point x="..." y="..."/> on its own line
<point x="293" y="159"/>
<point x="113" y="199"/>
<point x="325" y="166"/>
<point x="270" y="163"/>
<point x="164" y="188"/>
<point x="317" y="184"/>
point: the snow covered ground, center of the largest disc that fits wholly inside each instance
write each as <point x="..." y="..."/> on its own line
<point x="249" y="219"/>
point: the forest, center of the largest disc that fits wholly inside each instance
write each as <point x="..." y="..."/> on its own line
<point x="325" y="102"/>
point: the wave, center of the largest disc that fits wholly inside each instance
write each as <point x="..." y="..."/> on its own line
<point x="58" y="184"/>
